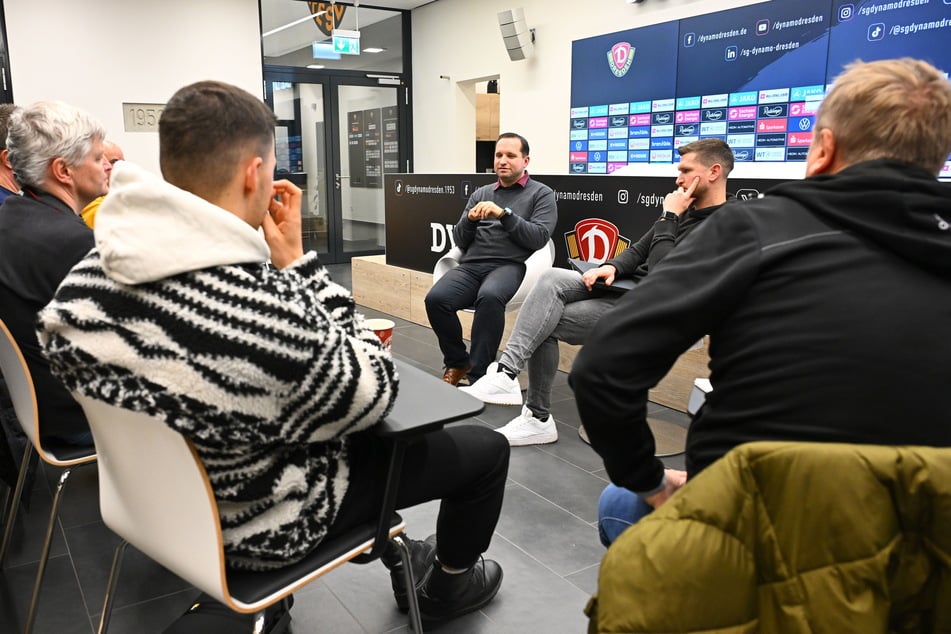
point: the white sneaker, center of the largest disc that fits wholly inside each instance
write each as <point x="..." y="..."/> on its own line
<point x="496" y="387"/>
<point x="525" y="429"/>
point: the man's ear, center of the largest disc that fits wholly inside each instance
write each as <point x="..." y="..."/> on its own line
<point x="251" y="174"/>
<point x="5" y="158"/>
<point x="59" y="170"/>
<point x="715" y="172"/>
<point x="822" y="155"/>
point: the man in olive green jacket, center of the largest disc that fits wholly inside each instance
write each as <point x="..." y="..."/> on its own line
<point x="790" y="537"/>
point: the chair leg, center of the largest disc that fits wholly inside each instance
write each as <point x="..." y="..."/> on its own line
<point x="15" y="501"/>
<point x="110" y="587"/>
<point x="258" y="623"/>
<point x="415" y="619"/>
<point x="45" y="554"/>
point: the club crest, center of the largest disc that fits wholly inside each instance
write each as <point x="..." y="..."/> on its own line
<point x="620" y="57"/>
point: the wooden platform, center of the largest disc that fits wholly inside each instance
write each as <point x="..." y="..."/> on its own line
<point x="400" y="292"/>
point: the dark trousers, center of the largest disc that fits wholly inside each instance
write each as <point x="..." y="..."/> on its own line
<point x="464" y="466"/>
<point x="488" y="286"/>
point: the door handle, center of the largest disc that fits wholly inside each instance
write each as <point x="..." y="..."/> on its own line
<point x="337" y="178"/>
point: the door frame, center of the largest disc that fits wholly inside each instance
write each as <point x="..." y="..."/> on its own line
<point x="330" y="82"/>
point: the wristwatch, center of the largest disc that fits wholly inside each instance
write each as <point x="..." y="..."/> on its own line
<point x="669" y="215"/>
<point x="508" y="211"/>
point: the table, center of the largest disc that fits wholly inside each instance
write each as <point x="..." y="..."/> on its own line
<point x="424" y="403"/>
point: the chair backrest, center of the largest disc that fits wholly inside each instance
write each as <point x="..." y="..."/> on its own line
<point x="155" y="494"/>
<point x="19" y="382"/>
<point x="536" y="264"/>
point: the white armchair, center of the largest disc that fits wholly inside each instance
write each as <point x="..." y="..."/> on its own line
<point x="536" y="264"/>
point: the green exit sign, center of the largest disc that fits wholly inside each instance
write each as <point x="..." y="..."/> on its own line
<point x="346" y="42"/>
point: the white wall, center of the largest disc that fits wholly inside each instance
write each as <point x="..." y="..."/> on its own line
<point x="97" y="54"/>
<point x="461" y="39"/>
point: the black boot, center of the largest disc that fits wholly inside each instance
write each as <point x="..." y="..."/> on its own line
<point x="446" y="596"/>
<point x="421" y="554"/>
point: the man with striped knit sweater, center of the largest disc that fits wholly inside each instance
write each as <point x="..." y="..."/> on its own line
<point x="199" y="305"/>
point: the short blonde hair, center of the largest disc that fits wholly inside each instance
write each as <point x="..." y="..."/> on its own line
<point x="895" y="108"/>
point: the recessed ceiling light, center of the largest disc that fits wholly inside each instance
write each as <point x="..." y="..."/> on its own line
<point x="373" y="49"/>
<point x="316" y="66"/>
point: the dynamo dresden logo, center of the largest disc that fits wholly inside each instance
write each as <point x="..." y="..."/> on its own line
<point x="620" y="57"/>
<point x="595" y="240"/>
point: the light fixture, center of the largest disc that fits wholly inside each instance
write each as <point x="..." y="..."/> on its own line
<point x="373" y="49"/>
<point x="316" y="66"/>
<point x="294" y="23"/>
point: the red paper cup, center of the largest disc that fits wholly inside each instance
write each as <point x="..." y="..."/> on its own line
<point x="383" y="328"/>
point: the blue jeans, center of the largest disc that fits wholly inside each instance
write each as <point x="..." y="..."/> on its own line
<point x="558" y="308"/>
<point x="486" y="285"/>
<point x="618" y="508"/>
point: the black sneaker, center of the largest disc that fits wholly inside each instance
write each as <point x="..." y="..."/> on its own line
<point x="422" y="554"/>
<point x="446" y="596"/>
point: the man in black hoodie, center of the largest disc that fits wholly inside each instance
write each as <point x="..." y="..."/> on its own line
<point x="827" y="302"/>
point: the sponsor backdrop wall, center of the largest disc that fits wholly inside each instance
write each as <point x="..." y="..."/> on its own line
<point x="598" y="216"/>
<point x="751" y="76"/>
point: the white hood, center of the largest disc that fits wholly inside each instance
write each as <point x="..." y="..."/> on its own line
<point x="148" y="229"/>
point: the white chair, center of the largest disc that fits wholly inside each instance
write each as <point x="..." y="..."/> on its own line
<point x="19" y="382"/>
<point x="155" y="494"/>
<point x="698" y="395"/>
<point x="536" y="264"/>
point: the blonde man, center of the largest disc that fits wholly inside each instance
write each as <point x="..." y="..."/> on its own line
<point x="826" y="302"/>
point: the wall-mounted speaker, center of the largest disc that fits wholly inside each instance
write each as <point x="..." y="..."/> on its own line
<point x="517" y="36"/>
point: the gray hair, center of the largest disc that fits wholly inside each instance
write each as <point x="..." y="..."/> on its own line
<point x="45" y="131"/>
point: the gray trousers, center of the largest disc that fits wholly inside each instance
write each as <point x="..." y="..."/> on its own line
<point x="559" y="307"/>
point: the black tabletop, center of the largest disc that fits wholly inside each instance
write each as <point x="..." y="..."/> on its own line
<point x="425" y="402"/>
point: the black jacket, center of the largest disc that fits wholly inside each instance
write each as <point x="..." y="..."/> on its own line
<point x="640" y="258"/>
<point x="827" y="304"/>
<point x="41" y="239"/>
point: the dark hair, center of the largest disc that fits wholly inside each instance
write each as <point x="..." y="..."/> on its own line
<point x="513" y="135"/>
<point x="709" y="152"/>
<point x="6" y="110"/>
<point x="206" y="129"/>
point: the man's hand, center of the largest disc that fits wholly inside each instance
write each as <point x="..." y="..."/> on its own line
<point x="674" y="480"/>
<point x="604" y="272"/>
<point x="282" y="224"/>
<point x="679" y="200"/>
<point x="485" y="210"/>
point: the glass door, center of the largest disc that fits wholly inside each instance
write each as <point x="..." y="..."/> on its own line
<point x="367" y="145"/>
<point x="300" y="142"/>
<point x="335" y="138"/>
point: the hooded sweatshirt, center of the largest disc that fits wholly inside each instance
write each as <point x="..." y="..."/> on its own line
<point x="827" y="303"/>
<point x="176" y="313"/>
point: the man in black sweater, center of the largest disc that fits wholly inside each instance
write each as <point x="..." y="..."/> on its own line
<point x="57" y="156"/>
<point x="501" y="226"/>
<point x="827" y="301"/>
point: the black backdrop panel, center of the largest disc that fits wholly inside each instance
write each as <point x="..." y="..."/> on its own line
<point x="598" y="216"/>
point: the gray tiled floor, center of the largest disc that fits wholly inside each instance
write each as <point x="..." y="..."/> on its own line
<point x="546" y="542"/>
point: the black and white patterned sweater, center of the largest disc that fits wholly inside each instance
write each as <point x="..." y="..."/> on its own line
<point x="176" y="314"/>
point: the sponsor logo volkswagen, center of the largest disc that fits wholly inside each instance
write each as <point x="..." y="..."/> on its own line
<point x="620" y="57"/>
<point x="595" y="240"/>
